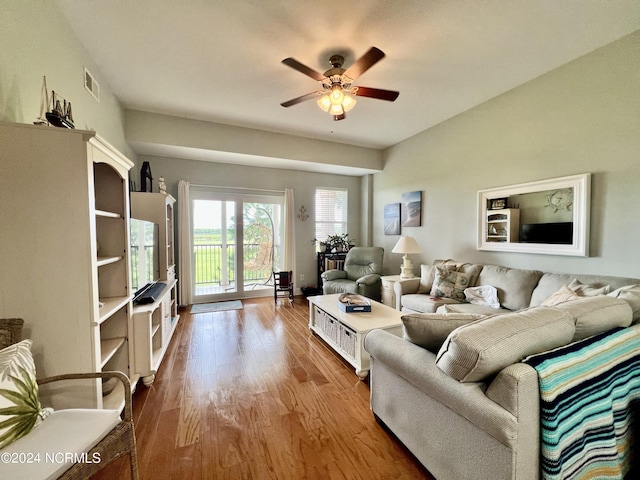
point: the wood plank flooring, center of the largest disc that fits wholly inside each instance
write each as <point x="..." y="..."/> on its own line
<point x="253" y="394"/>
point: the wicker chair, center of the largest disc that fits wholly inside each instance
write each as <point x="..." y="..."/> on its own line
<point x="118" y="442"/>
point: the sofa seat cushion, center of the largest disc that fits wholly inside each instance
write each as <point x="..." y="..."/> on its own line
<point x="341" y="285"/>
<point x="64" y="431"/>
<point x="514" y="286"/>
<point x="471" y="308"/>
<point x="476" y="351"/>
<point x="417" y="302"/>
<point x="593" y="315"/>
<point x="430" y="330"/>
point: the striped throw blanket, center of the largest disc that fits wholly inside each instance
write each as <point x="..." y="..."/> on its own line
<point x="590" y="392"/>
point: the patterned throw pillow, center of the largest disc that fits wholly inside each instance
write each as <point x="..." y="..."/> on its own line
<point x="20" y="409"/>
<point x="450" y="283"/>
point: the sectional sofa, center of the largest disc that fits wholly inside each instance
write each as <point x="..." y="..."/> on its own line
<point x="455" y="389"/>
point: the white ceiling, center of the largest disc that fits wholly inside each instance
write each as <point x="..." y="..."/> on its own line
<point x="219" y="60"/>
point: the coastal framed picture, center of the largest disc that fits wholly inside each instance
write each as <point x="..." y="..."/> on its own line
<point x="392" y="219"/>
<point x="411" y="212"/>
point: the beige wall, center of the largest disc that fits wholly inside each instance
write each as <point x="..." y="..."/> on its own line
<point x="303" y="184"/>
<point x="582" y="117"/>
<point x="36" y="40"/>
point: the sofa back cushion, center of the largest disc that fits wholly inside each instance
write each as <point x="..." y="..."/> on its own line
<point x="552" y="282"/>
<point x="430" y="330"/>
<point x="593" y="315"/>
<point x="514" y="286"/>
<point x="478" y="350"/>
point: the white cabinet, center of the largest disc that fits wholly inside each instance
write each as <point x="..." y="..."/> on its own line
<point x="155" y="323"/>
<point x="502" y="225"/>
<point x="388" y="294"/>
<point x="65" y="211"/>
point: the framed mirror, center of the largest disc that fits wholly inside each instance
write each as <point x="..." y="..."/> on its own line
<point x="547" y="217"/>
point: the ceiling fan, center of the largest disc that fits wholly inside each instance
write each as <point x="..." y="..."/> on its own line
<point x="336" y="95"/>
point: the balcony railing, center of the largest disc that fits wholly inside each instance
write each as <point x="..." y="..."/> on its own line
<point x="215" y="267"/>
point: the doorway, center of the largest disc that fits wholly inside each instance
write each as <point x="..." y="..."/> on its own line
<point x="236" y="244"/>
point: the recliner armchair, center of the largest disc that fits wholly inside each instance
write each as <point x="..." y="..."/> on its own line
<point x="361" y="274"/>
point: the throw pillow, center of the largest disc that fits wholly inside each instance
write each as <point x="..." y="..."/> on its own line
<point x="565" y="294"/>
<point x="430" y="330"/>
<point x="478" y="350"/>
<point x="20" y="409"/>
<point x="450" y="283"/>
<point x="427" y="273"/>
<point x="585" y="290"/>
<point x="631" y="295"/>
<point x="482" y="295"/>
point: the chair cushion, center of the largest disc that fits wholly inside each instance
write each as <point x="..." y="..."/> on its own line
<point x="341" y="285"/>
<point x="430" y="330"/>
<point x="63" y="432"/>
<point x="20" y="409"/>
<point x="478" y="350"/>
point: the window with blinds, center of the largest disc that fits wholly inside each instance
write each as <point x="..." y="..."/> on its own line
<point x="331" y="212"/>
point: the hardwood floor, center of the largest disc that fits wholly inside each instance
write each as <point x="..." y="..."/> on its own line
<point x="253" y="394"/>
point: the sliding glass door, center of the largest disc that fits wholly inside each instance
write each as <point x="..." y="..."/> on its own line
<point x="236" y="244"/>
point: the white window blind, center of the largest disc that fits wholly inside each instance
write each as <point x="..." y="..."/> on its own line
<point x="331" y="212"/>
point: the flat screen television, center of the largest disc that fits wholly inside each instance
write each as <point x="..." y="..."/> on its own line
<point x="145" y="255"/>
<point x="560" y="233"/>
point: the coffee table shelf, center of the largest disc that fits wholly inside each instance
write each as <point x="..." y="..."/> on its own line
<point x="345" y="332"/>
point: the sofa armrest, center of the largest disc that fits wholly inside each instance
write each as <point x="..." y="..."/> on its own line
<point x="333" y="275"/>
<point x="516" y="389"/>
<point x="418" y="366"/>
<point x="405" y="287"/>
<point x="370" y="279"/>
<point x="128" y="411"/>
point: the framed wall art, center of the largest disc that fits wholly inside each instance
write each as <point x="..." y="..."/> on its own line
<point x="392" y="219"/>
<point x="411" y="209"/>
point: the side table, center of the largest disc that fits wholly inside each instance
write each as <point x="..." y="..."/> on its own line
<point x="388" y="295"/>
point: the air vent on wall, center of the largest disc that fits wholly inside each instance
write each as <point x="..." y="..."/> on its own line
<point x="91" y="85"/>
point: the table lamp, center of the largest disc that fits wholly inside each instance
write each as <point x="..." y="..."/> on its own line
<point x="406" y="245"/>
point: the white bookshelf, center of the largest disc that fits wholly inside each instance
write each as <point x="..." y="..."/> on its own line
<point x="65" y="213"/>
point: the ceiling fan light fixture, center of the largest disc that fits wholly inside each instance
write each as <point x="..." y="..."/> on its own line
<point x="348" y="103"/>
<point x="324" y="102"/>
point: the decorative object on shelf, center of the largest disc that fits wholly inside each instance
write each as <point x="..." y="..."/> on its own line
<point x="392" y="219"/>
<point x="44" y="103"/>
<point x="302" y="214"/>
<point x="162" y="187"/>
<point x="411" y="209"/>
<point x="338" y="242"/>
<point x="561" y="199"/>
<point x="145" y="174"/>
<point x="497" y="203"/>
<point x="406" y="245"/>
<point x="60" y="114"/>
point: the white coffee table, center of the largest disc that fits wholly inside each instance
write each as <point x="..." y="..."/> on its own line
<point x="345" y="332"/>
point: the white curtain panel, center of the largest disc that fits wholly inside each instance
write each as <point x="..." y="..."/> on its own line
<point x="184" y="243"/>
<point x="289" y="231"/>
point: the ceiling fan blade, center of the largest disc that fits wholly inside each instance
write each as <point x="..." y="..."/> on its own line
<point x="389" y="95"/>
<point x="310" y="72"/>
<point x="364" y="63"/>
<point x="303" y="98"/>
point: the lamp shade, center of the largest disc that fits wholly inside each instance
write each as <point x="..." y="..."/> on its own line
<point x="406" y="245"/>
